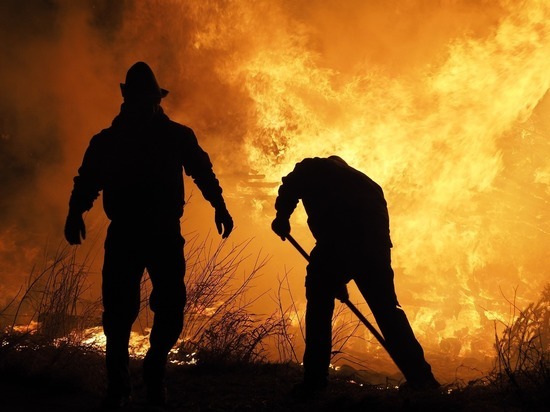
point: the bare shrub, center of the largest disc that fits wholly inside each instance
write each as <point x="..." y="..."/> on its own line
<point x="212" y="282"/>
<point x="53" y="296"/>
<point x="218" y="326"/>
<point x="523" y="351"/>
<point x="285" y="341"/>
<point x="237" y="337"/>
<point x="345" y="328"/>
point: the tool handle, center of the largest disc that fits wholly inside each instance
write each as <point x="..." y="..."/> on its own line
<point x="297" y="246"/>
<point x="369" y="326"/>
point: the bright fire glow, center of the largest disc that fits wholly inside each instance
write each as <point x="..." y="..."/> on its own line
<point x="138" y="345"/>
<point x="458" y="144"/>
<point x="444" y="104"/>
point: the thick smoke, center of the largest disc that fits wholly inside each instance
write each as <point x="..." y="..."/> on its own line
<point x="52" y="94"/>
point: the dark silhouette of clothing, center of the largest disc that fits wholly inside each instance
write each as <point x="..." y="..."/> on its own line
<point x="138" y="163"/>
<point x="348" y="217"/>
<point x="139" y="169"/>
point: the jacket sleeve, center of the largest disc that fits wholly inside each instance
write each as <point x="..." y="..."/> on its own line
<point x="293" y="188"/>
<point x="197" y="164"/>
<point x="87" y="184"/>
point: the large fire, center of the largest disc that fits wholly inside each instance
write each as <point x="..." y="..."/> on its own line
<point x="458" y="144"/>
<point x="444" y="105"/>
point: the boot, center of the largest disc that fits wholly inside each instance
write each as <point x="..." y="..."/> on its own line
<point x="154" y="369"/>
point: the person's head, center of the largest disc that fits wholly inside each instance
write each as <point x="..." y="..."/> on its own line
<point x="337" y="159"/>
<point x="141" y="91"/>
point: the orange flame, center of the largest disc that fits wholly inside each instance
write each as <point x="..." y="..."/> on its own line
<point x="447" y="142"/>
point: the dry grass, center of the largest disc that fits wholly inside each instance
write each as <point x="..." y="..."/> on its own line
<point x="218" y="327"/>
<point x="53" y="298"/>
<point x="522" y="367"/>
<point x="230" y="343"/>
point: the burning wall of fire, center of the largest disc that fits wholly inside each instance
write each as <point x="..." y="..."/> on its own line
<point x="443" y="103"/>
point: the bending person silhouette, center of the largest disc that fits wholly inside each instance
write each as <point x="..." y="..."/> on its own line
<point x="138" y="164"/>
<point x="348" y="217"/>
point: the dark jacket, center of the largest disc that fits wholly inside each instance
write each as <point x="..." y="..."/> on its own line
<point x="139" y="169"/>
<point x="344" y="206"/>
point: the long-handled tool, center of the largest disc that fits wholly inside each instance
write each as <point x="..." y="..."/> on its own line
<point x="345" y="299"/>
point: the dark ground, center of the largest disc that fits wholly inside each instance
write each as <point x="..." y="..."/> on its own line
<point x="50" y="379"/>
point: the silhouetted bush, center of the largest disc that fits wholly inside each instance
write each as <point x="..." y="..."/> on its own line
<point x="523" y="352"/>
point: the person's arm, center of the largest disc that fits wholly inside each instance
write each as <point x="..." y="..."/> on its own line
<point x="290" y="192"/>
<point x="197" y="164"/>
<point x="87" y="186"/>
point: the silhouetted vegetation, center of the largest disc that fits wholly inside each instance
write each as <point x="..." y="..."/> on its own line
<point x="522" y="367"/>
<point x="221" y="363"/>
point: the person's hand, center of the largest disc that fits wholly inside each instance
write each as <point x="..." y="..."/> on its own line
<point x="75" y="229"/>
<point x="281" y="227"/>
<point x="223" y="221"/>
<point x="342" y="293"/>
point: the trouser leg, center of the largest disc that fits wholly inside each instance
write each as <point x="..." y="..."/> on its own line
<point x="122" y="274"/>
<point x="318" y="339"/>
<point x="319" y="311"/>
<point x="378" y="289"/>
<point x="168" y="298"/>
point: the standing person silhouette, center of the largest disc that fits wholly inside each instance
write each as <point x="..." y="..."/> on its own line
<point x="138" y="164"/>
<point x="348" y="217"/>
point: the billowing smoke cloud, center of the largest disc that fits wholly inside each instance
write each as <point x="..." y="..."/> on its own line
<point x="49" y="73"/>
<point x="443" y="103"/>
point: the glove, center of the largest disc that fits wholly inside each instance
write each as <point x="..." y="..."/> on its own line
<point x="342" y="293"/>
<point x="75" y="228"/>
<point x="281" y="227"/>
<point x="223" y="221"/>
